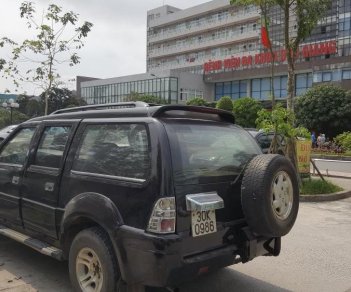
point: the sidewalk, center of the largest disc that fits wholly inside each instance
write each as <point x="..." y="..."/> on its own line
<point x="345" y="183"/>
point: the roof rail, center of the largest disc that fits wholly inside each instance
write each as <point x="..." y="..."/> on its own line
<point x="222" y="114"/>
<point x="102" y="106"/>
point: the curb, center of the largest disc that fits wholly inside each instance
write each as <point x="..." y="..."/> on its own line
<point x="331" y="157"/>
<point x="332" y="175"/>
<point x="326" y="197"/>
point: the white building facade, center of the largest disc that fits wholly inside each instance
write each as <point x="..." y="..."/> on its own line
<point x="214" y="49"/>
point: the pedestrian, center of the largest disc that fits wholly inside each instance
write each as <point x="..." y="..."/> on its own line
<point x="314" y="139"/>
<point x="319" y="141"/>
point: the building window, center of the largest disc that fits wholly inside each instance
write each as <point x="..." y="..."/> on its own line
<point x="280" y="83"/>
<point x="346" y="74"/>
<point x="234" y="89"/>
<point x="302" y="83"/>
<point x="326" y="76"/>
<point x="261" y="88"/>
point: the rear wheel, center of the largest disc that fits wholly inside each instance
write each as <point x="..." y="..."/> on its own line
<point x="270" y="195"/>
<point x="92" y="263"/>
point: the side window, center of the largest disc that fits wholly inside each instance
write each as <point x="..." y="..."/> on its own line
<point x="114" y="149"/>
<point x="16" y="150"/>
<point x="51" y="147"/>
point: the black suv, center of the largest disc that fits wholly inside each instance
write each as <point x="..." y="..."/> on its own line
<point x="135" y="195"/>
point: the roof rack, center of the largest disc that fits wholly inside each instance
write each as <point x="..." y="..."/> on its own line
<point x="102" y="106"/>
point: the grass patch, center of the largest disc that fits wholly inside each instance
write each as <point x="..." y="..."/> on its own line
<point x="318" y="186"/>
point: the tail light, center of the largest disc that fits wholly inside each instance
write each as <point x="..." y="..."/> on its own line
<point x="163" y="217"/>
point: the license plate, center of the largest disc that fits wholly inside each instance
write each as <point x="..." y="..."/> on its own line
<point x="203" y="222"/>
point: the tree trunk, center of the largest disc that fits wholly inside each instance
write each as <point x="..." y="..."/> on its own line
<point x="272" y="78"/>
<point x="291" y="84"/>
<point x="46" y="102"/>
<point x="292" y="155"/>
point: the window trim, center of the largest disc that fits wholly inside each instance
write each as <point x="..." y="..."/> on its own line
<point x="45" y="126"/>
<point x="74" y="123"/>
<point x="107" y="176"/>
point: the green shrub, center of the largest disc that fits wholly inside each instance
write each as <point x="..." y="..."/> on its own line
<point x="344" y="140"/>
<point x="225" y="103"/>
<point x="211" y="104"/>
<point x="245" y="111"/>
<point x="134" y="96"/>
<point x="281" y="121"/>
<point x="196" y="101"/>
<point x="5" y="117"/>
<point x="325" y="109"/>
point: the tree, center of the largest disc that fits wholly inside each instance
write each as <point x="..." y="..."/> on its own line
<point x="344" y="140"/>
<point x="264" y="6"/>
<point x="305" y="15"/>
<point x="245" y="111"/>
<point x="60" y="98"/>
<point x="53" y="45"/>
<point x="225" y="103"/>
<point x="326" y="109"/>
<point x="280" y="121"/>
<point x="30" y="106"/>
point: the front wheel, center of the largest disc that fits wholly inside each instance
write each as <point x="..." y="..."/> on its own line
<point x="92" y="263"/>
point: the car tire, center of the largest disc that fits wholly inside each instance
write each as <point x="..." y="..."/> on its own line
<point x="92" y="263"/>
<point x="270" y="195"/>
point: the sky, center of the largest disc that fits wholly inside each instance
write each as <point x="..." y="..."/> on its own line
<point x="116" y="46"/>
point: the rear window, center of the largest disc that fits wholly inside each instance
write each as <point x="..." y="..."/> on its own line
<point x="205" y="152"/>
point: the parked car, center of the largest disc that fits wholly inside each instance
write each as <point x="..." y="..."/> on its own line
<point x="135" y="195"/>
<point x="4" y="132"/>
<point x="264" y="139"/>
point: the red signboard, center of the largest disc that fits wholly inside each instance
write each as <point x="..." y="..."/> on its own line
<point x="306" y="51"/>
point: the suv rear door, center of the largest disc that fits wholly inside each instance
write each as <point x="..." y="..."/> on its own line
<point x="112" y="158"/>
<point x="13" y="157"/>
<point x="42" y="177"/>
<point x="209" y="157"/>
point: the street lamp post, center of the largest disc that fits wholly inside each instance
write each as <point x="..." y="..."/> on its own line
<point x="11" y="104"/>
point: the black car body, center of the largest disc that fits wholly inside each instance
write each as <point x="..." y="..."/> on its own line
<point x="264" y="140"/>
<point x="134" y="175"/>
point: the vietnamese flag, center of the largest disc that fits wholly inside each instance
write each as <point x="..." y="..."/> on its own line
<point x="264" y="37"/>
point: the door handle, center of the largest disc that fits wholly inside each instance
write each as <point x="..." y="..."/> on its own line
<point x="15" y="180"/>
<point x="49" y="187"/>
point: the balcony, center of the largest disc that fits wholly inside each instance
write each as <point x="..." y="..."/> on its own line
<point x="205" y="25"/>
<point x="203" y="44"/>
<point x="199" y="61"/>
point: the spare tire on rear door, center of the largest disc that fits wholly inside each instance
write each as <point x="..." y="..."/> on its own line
<point x="270" y="195"/>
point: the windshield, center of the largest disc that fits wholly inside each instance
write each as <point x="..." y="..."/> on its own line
<point x="206" y="152"/>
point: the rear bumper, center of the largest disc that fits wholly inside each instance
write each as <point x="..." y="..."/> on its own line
<point x="161" y="261"/>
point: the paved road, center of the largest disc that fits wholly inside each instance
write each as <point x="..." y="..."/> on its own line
<point x="334" y="165"/>
<point x="316" y="256"/>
